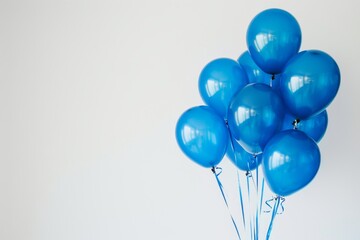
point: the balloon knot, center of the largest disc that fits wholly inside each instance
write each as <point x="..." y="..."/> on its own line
<point x="295" y="123"/>
<point x="216" y="170"/>
<point x="273" y="77"/>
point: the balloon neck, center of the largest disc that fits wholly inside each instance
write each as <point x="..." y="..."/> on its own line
<point x="272" y="79"/>
<point x="295" y="123"/>
<point x="248" y="174"/>
<point x="216" y="170"/>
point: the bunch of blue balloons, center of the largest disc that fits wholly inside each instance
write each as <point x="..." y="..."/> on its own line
<point x="266" y="109"/>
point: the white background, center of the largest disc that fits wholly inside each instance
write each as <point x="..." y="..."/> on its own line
<point x="90" y="92"/>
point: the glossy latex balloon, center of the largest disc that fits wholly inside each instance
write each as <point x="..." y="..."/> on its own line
<point x="202" y="135"/>
<point x="255" y="74"/>
<point x="291" y="160"/>
<point x="219" y="81"/>
<point x="273" y="37"/>
<point x="241" y="158"/>
<point x="254" y="116"/>
<point x="309" y="83"/>
<point x="314" y="127"/>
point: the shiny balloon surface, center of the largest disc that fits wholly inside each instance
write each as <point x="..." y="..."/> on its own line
<point x="219" y="81"/>
<point x="241" y="158"/>
<point x="309" y="83"/>
<point x="291" y="160"/>
<point x="254" y="116"/>
<point x="255" y="74"/>
<point x="202" y="135"/>
<point x="273" y="37"/>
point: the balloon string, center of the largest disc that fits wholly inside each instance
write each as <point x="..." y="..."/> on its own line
<point x="255" y="236"/>
<point x="261" y="195"/>
<point x="276" y="205"/>
<point x="248" y="176"/>
<point x="257" y="174"/>
<point x="257" y="198"/>
<point x="282" y="200"/>
<point x="253" y="226"/>
<point x="241" y="200"/>
<point x="238" y="177"/>
<point x="254" y="216"/>
<point x="259" y="209"/>
<point x="278" y="202"/>
<point x="251" y="230"/>
<point x="257" y="224"/>
<point x="255" y="180"/>
<point x="216" y="174"/>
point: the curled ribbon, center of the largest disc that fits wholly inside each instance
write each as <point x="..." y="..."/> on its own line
<point x="281" y="204"/>
<point x="278" y="201"/>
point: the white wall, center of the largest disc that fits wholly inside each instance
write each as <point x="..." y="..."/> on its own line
<point x="90" y="92"/>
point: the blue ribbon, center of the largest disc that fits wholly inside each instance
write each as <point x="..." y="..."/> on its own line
<point x="256" y="234"/>
<point x="278" y="202"/>
<point x="241" y="200"/>
<point x="248" y="175"/>
<point x="262" y="195"/>
<point x="238" y="177"/>
<point x="216" y="174"/>
<point x="282" y="200"/>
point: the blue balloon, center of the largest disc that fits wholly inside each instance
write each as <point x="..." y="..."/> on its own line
<point x="309" y="83"/>
<point x="219" y="81"/>
<point x="254" y="116"/>
<point x="291" y="160"/>
<point x="241" y="158"/>
<point x="202" y="135"/>
<point x="255" y="74"/>
<point x="314" y="127"/>
<point x="273" y="37"/>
